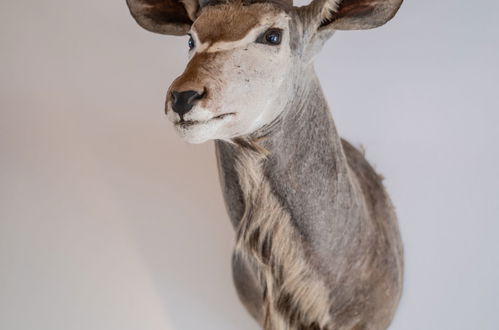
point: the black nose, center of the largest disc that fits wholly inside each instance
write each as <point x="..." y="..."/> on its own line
<point x="182" y="102"/>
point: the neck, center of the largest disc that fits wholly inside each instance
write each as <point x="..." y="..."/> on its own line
<point x="305" y="137"/>
<point x="294" y="204"/>
<point x="306" y="168"/>
<point x="314" y="227"/>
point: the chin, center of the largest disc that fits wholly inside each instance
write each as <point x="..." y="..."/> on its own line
<point x="194" y="135"/>
<point x="199" y="133"/>
<point x="196" y="132"/>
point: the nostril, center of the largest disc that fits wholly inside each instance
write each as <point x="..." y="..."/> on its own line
<point x="194" y="97"/>
<point x="182" y="102"/>
<point x="174" y="97"/>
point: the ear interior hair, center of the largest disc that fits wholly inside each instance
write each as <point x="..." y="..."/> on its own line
<point x="192" y="8"/>
<point x="173" y="17"/>
<point x="357" y="14"/>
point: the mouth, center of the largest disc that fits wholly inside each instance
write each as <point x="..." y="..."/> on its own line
<point x="190" y="123"/>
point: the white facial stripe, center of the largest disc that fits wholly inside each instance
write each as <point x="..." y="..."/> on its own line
<point x="227" y="45"/>
<point x="202" y="47"/>
<point x="265" y="23"/>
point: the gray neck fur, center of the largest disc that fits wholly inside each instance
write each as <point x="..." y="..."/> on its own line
<point x="341" y="221"/>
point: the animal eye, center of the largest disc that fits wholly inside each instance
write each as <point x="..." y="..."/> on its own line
<point x="191" y="43"/>
<point x="270" y="37"/>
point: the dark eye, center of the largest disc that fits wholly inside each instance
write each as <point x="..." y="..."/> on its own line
<point x="270" y="37"/>
<point x="191" y="43"/>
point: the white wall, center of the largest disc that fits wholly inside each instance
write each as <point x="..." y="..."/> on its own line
<point x="98" y="228"/>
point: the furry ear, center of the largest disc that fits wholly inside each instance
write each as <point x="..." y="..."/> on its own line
<point x="356" y="14"/>
<point x="173" y="17"/>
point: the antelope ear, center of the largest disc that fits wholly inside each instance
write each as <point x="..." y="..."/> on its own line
<point x="173" y="17"/>
<point x="357" y="14"/>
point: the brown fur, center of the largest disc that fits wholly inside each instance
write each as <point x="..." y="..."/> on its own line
<point x="236" y="17"/>
<point x="203" y="67"/>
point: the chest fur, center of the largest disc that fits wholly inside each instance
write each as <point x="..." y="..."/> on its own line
<point x="294" y="295"/>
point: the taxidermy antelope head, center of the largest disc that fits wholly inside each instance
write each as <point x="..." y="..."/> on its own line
<point x="317" y="242"/>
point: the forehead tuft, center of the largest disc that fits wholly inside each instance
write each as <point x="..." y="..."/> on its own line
<point x="232" y="21"/>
